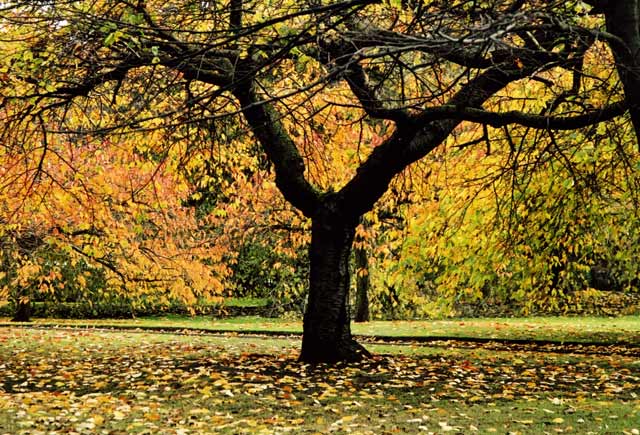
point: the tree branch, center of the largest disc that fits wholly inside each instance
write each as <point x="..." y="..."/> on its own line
<point x="496" y="119"/>
<point x="280" y="149"/>
<point x="346" y="61"/>
<point x="412" y="141"/>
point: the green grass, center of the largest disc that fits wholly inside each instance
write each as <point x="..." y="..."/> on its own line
<point x="624" y="329"/>
<point x="607" y="329"/>
<point x="246" y="302"/>
<point x="93" y="382"/>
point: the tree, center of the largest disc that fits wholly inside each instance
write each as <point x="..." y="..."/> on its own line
<point x="270" y="239"/>
<point x="623" y="22"/>
<point x="25" y="245"/>
<point x="414" y="70"/>
<point x="363" y="281"/>
<point x="498" y="238"/>
<point x="97" y="203"/>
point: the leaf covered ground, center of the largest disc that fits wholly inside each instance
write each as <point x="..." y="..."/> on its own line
<point x="97" y="382"/>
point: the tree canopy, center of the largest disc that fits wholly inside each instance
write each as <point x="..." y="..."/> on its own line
<point x="336" y="98"/>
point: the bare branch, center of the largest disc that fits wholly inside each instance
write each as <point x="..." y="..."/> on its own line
<point x="496" y="119"/>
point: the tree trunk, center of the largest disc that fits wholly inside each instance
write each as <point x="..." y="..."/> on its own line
<point x="327" y="333"/>
<point x="623" y="21"/>
<point x="362" y="285"/>
<point x="23" y="309"/>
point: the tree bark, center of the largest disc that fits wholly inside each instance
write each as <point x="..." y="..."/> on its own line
<point x="362" y="285"/>
<point x="327" y="332"/>
<point x="623" y="21"/>
<point x="23" y="310"/>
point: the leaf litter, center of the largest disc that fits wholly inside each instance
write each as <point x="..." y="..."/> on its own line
<point x="88" y="382"/>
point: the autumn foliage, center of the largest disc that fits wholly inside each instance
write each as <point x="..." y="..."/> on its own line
<point x="156" y="125"/>
<point x="96" y="204"/>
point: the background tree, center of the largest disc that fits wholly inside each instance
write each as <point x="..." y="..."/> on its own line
<point x="270" y="239"/>
<point x="91" y="207"/>
<point x="418" y="69"/>
<point x="500" y="239"/>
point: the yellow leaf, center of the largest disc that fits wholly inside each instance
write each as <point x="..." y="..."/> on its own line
<point x="199" y="411"/>
<point x="82" y="282"/>
<point x="524" y="421"/>
<point x="153" y="416"/>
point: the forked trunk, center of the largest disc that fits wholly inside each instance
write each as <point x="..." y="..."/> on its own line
<point x="327" y="333"/>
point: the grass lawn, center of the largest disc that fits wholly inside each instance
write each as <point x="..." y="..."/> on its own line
<point x="103" y="382"/>
<point x="624" y="329"/>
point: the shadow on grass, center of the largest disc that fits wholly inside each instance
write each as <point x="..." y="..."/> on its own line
<point x="170" y="369"/>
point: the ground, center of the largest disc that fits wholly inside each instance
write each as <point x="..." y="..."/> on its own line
<point x="114" y="382"/>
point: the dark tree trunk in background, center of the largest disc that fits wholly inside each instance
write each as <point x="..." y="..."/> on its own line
<point x="327" y="333"/>
<point x="362" y="285"/>
<point x="23" y="310"/>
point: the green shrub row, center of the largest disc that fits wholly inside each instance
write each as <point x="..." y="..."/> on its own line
<point x="124" y="310"/>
